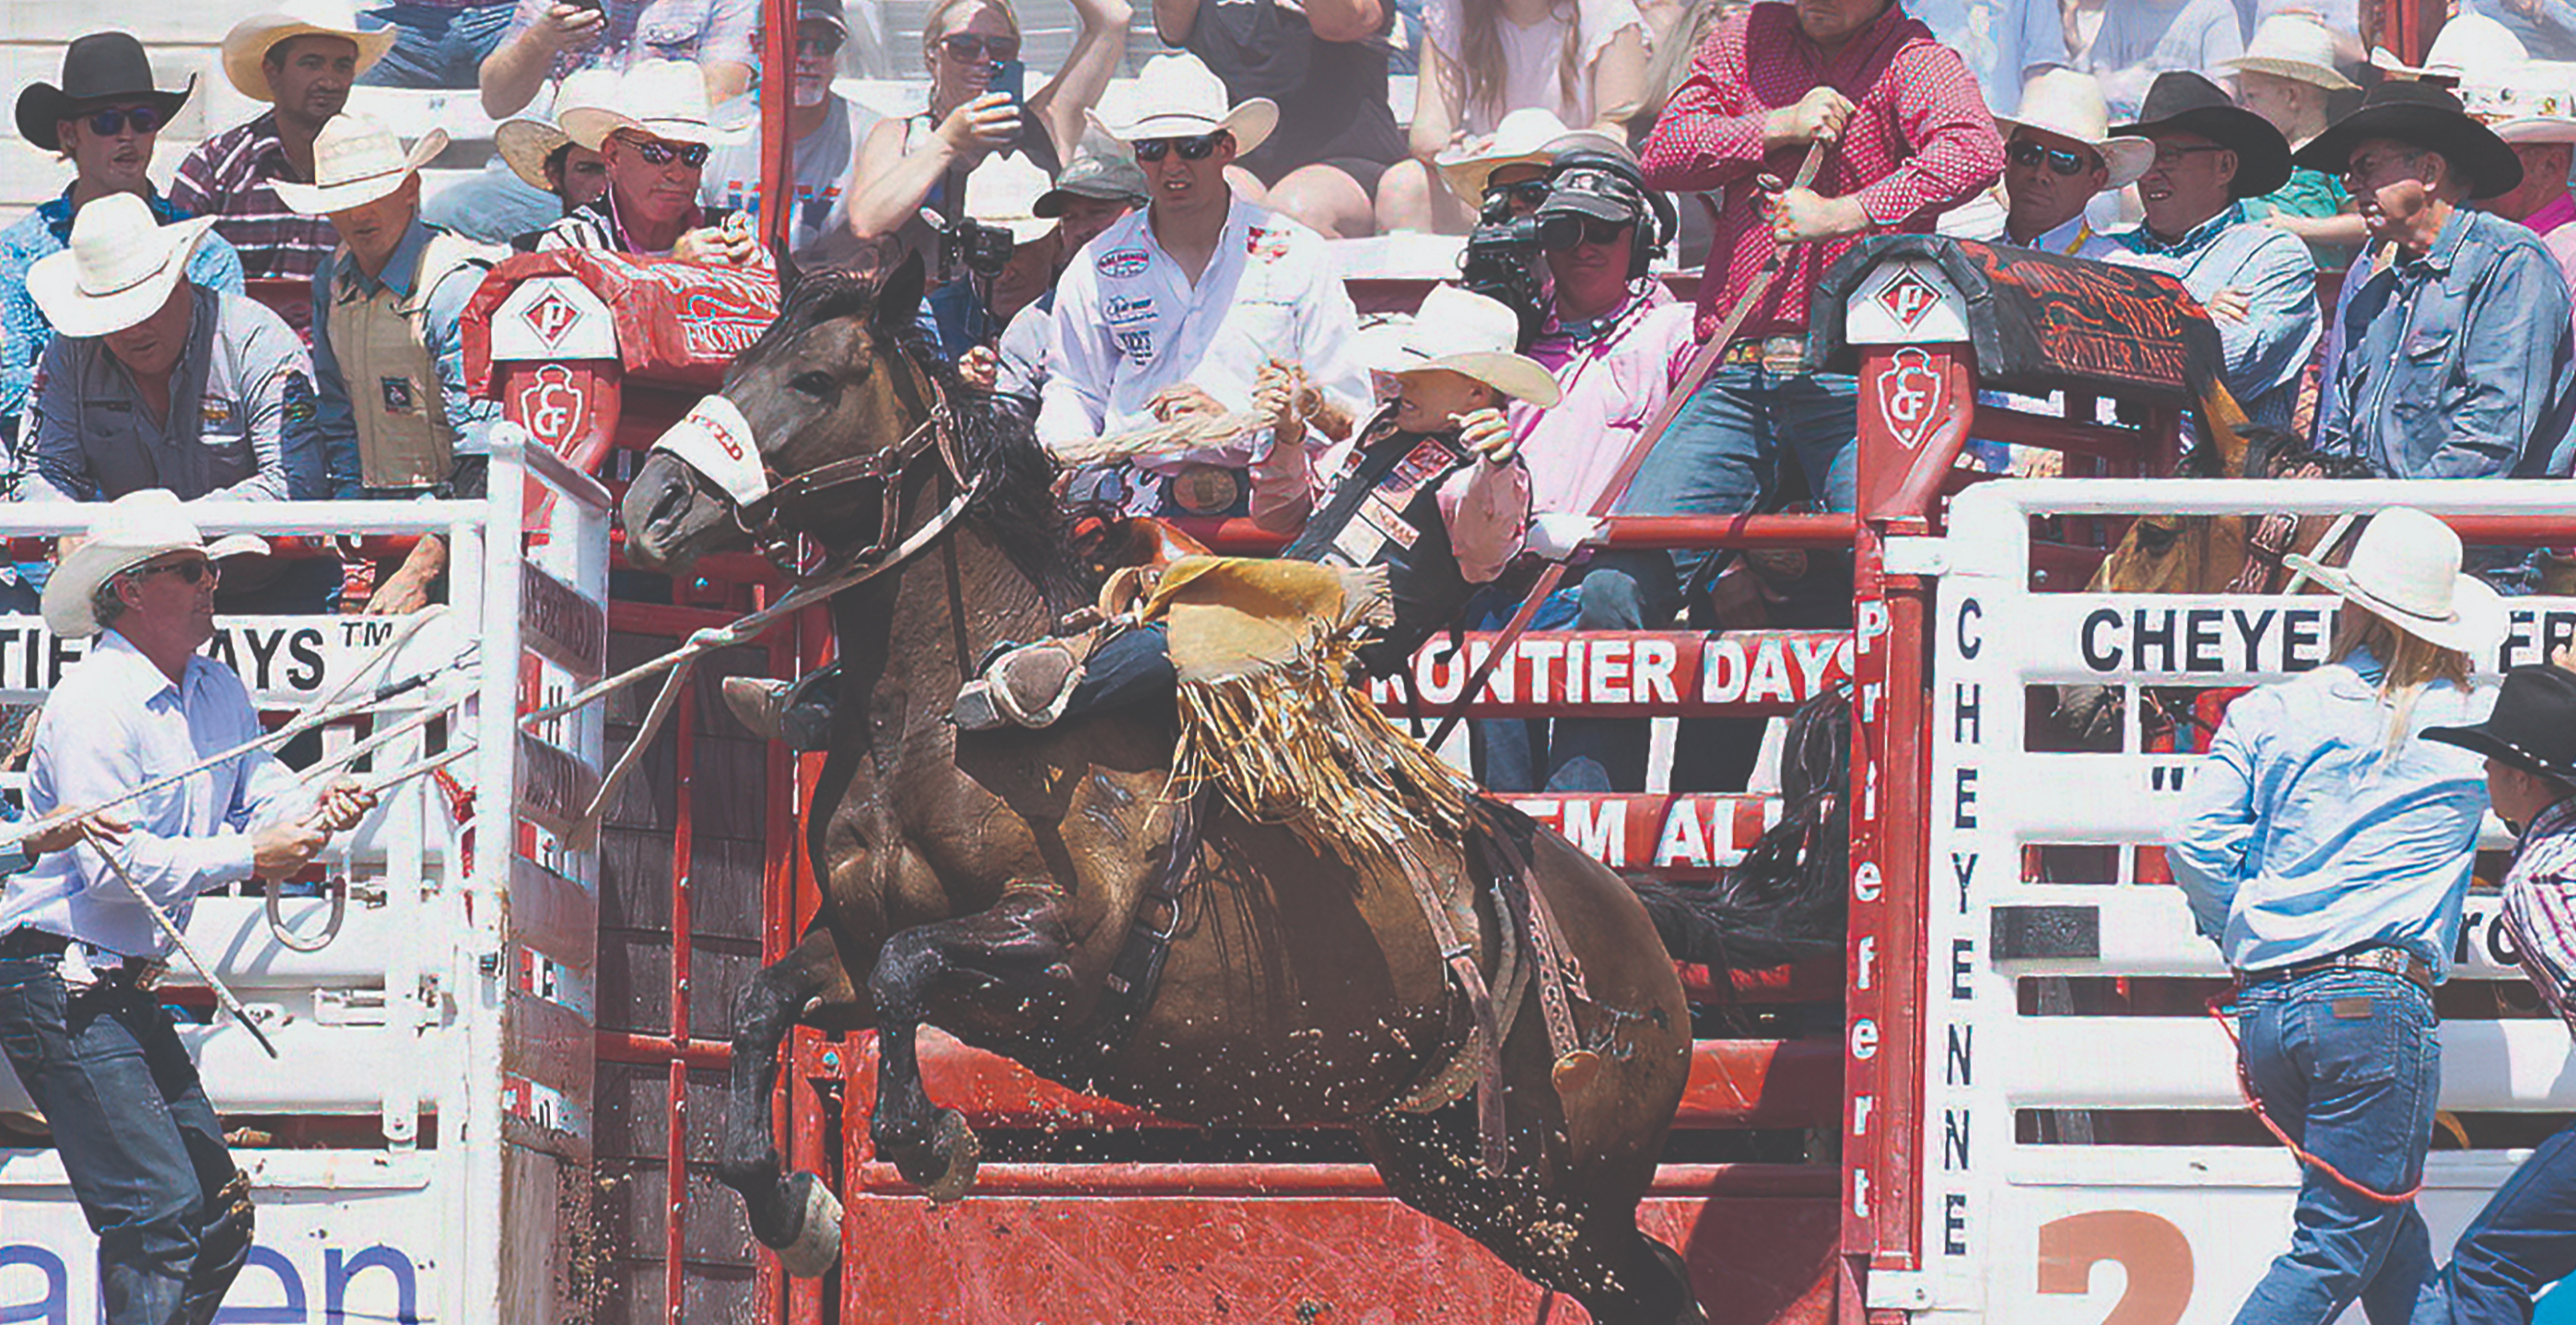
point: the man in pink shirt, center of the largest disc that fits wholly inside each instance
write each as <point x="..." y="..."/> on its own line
<point x="2547" y="146"/>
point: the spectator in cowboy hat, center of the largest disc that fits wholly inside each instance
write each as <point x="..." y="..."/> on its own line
<point x="826" y="127"/>
<point x="2059" y="153"/>
<point x="84" y="1028"/>
<point x="2535" y="114"/>
<point x="1516" y="154"/>
<point x="536" y="177"/>
<point x="1090" y="195"/>
<point x="655" y="138"/>
<point x="299" y="58"/>
<point x="2258" y="282"/>
<point x="104" y="119"/>
<point x="2487" y="395"/>
<point x="397" y="419"/>
<point x="2285" y="76"/>
<point x="2525" y="1240"/>
<point x="1183" y="309"/>
<point x="2325" y="847"/>
<point x="557" y="38"/>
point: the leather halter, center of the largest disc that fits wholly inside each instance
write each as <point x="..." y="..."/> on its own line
<point x="765" y="519"/>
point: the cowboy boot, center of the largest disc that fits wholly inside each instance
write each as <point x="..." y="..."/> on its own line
<point x="796" y="712"/>
<point x="1024" y="686"/>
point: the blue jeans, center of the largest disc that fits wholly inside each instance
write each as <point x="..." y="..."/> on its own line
<point x="436" y="46"/>
<point x="137" y="1138"/>
<point x="2349" y="1063"/>
<point x="2524" y="1241"/>
<point x="1744" y="432"/>
<point x="1611" y="591"/>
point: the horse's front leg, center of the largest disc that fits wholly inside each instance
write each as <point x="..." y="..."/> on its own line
<point x="1007" y="969"/>
<point x="794" y="1214"/>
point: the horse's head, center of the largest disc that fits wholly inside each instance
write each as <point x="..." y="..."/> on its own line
<point x="809" y="434"/>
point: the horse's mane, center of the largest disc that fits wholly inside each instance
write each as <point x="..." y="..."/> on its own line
<point x="996" y="440"/>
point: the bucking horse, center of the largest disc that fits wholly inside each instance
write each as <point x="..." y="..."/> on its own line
<point x="1054" y="895"/>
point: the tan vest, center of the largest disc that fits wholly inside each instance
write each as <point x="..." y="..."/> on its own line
<point x="381" y="341"/>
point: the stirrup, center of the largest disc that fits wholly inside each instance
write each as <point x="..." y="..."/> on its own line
<point x="1025" y="687"/>
<point x="797" y="713"/>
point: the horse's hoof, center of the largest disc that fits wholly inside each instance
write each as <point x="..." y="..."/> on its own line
<point x="818" y="1246"/>
<point x="955" y="1143"/>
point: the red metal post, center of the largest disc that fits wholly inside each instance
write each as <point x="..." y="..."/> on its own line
<point x="776" y="85"/>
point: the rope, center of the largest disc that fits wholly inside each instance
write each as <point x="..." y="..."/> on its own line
<point x="170" y="930"/>
<point x="2218" y="1011"/>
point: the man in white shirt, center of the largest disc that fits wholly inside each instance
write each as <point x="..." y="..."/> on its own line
<point x="79" y="950"/>
<point x="1173" y="314"/>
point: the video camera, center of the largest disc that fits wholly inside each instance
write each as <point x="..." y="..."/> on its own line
<point x="977" y="247"/>
<point x="1506" y="261"/>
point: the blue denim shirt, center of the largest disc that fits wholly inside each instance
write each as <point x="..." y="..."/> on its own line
<point x="342" y="276"/>
<point x="2302" y="836"/>
<point x="2457" y="364"/>
<point x="2267" y="353"/>
<point x="24" y="332"/>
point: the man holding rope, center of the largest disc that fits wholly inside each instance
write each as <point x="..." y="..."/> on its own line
<point x="80" y="950"/>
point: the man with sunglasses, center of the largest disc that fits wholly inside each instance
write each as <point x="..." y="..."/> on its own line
<point x="827" y="129"/>
<point x="2059" y="154"/>
<point x="2258" y="281"/>
<point x="104" y="119"/>
<point x="656" y="141"/>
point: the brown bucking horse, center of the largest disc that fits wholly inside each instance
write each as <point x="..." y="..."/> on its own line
<point x="989" y="882"/>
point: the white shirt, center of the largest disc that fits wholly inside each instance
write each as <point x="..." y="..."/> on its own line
<point x="2066" y="241"/>
<point x="115" y="723"/>
<point x="1024" y="348"/>
<point x="1532" y="55"/>
<point x="1129" y="323"/>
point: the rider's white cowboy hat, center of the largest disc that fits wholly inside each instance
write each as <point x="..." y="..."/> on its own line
<point x="1530" y="136"/>
<point x="1178" y="96"/>
<point x="664" y="99"/>
<point x="2068" y="103"/>
<point x="355" y="162"/>
<point x="526" y="142"/>
<point x="247" y="45"/>
<point x="134" y="529"/>
<point x="2294" y="46"/>
<point x="2406" y="568"/>
<point x="119" y="268"/>
<point x="1465" y="332"/>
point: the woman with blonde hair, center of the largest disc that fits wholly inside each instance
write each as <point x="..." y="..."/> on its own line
<point x="2325" y="847"/>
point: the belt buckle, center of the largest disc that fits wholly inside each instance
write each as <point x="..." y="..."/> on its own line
<point x="1784" y="354"/>
<point x="1204" y="489"/>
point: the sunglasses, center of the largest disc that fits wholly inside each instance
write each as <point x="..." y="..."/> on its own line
<point x="1526" y="193"/>
<point x="110" y="122"/>
<point x="973" y="46"/>
<point x="658" y="153"/>
<point x="1191" y="149"/>
<point x="2029" y="154"/>
<point x="191" y="572"/>
<point x="1593" y="231"/>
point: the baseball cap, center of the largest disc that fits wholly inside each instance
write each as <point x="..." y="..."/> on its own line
<point x="1104" y="177"/>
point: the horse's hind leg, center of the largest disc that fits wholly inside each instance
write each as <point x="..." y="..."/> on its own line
<point x="796" y="1215"/>
<point x="1008" y="969"/>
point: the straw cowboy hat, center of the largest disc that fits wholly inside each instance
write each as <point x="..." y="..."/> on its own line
<point x="2405" y="568"/>
<point x="1178" y="96"/>
<point x="2180" y="101"/>
<point x="355" y="162"/>
<point x="664" y="99"/>
<point x="2425" y="115"/>
<point x="1530" y="136"/>
<point x="99" y="70"/>
<point x="134" y="529"/>
<point x="247" y="45"/>
<point x="526" y="143"/>
<point x="2533" y="727"/>
<point x="119" y="269"/>
<point x="1465" y="332"/>
<point x="2065" y="103"/>
<point x="2294" y="46"/>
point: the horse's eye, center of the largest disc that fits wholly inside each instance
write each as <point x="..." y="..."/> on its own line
<point x="815" y="384"/>
<point x="2157" y="537"/>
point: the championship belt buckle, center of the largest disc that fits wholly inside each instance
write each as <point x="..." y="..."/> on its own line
<point x="1205" y="489"/>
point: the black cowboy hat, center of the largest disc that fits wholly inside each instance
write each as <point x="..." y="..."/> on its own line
<point x="101" y="68"/>
<point x="2183" y="102"/>
<point x="2533" y="726"/>
<point x="2429" y="117"/>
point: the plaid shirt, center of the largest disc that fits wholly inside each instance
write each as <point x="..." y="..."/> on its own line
<point x="228" y="177"/>
<point x="1919" y="143"/>
<point x="2540" y="906"/>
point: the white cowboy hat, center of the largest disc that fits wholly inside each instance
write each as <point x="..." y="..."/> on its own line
<point x="355" y="162"/>
<point x="247" y="45"/>
<point x="119" y="268"/>
<point x="2405" y="568"/>
<point x="2470" y="46"/>
<point x="1178" y="96"/>
<point x="1465" y="332"/>
<point x="2065" y="103"/>
<point x="664" y="99"/>
<point x="135" y="528"/>
<point x="2294" y="46"/>
<point x="2533" y="104"/>
<point x="525" y="143"/>
<point x="1530" y="136"/>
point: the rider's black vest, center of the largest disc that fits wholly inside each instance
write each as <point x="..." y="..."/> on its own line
<point x="1384" y="510"/>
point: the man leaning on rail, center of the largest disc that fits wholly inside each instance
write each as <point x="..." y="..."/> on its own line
<point x="80" y="950"/>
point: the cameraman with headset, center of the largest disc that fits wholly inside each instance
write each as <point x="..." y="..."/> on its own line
<point x="1613" y="337"/>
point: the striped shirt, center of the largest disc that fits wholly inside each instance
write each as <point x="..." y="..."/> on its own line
<point x="2540" y="906"/>
<point x="229" y="177"/>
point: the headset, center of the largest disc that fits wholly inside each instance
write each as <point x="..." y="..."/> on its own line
<point x="1657" y="226"/>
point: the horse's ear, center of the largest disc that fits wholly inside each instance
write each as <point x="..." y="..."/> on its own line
<point x="899" y="299"/>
